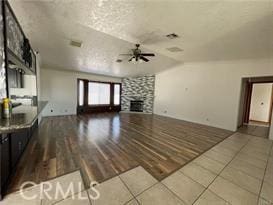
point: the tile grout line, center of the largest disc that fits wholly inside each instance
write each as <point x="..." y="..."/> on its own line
<point x="218" y="175"/>
<point x="90" y="202"/>
<point x="236" y="170"/>
<point x="242" y="159"/>
<point x="204" y="168"/>
<point x="259" y="196"/>
<point x="173" y="192"/>
<point x="128" y="190"/>
<point x="83" y="190"/>
<point x="158" y="182"/>
<point x="222" y="176"/>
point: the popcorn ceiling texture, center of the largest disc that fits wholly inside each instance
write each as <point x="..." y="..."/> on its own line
<point x="138" y="88"/>
<point x="242" y="31"/>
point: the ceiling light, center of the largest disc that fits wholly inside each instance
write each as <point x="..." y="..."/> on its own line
<point x="140" y="60"/>
<point x="133" y="59"/>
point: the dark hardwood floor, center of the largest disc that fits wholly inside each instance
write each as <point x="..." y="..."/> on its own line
<point x="104" y="145"/>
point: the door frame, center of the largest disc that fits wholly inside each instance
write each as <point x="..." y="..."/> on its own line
<point x="248" y="96"/>
<point x="271" y="107"/>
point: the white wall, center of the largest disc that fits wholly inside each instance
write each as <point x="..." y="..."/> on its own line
<point x="60" y="89"/>
<point x="207" y="92"/>
<point x="261" y="102"/>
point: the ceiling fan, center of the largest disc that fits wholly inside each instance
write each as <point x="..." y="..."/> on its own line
<point x="137" y="55"/>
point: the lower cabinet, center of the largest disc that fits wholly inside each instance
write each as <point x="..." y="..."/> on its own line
<point x="12" y="146"/>
<point x="18" y="142"/>
<point x="5" y="159"/>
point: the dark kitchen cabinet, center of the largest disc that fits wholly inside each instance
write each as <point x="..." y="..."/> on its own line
<point x="15" y="36"/>
<point x="33" y="66"/>
<point x="18" y="46"/>
<point x="12" y="146"/>
<point x="5" y="159"/>
<point x="18" y="142"/>
<point x="33" y="127"/>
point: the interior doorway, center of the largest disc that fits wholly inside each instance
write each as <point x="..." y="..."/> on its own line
<point x="260" y="112"/>
<point x="256" y="106"/>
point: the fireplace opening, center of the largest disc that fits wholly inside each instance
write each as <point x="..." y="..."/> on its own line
<point x="136" y="105"/>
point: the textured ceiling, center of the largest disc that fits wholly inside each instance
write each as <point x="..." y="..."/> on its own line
<point x="208" y="30"/>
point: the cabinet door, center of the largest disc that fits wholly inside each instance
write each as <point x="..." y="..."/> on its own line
<point x="18" y="143"/>
<point x="15" y="36"/>
<point x="33" y="66"/>
<point x="5" y="160"/>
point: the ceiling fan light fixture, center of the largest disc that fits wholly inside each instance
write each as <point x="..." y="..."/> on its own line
<point x="140" y="60"/>
<point x="137" y="56"/>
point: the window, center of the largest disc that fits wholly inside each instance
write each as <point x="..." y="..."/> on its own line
<point x="116" y="94"/>
<point x="81" y="92"/>
<point x="95" y="96"/>
<point x="98" y="93"/>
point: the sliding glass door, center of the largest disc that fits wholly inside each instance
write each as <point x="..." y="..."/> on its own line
<point x="96" y="96"/>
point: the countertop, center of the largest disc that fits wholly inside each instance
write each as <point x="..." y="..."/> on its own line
<point x="22" y="117"/>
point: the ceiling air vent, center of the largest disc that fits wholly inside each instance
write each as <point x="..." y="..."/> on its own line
<point x="76" y="43"/>
<point x="172" y="36"/>
<point x="174" y="49"/>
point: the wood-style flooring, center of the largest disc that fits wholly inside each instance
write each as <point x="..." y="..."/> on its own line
<point x="105" y="145"/>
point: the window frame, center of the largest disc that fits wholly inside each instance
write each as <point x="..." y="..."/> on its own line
<point x="86" y="106"/>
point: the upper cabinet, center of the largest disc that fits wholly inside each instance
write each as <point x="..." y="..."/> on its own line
<point x="15" y="37"/>
<point x="33" y="67"/>
<point x="18" y="46"/>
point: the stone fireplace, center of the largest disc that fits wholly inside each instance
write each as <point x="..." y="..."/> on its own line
<point x="136" y="90"/>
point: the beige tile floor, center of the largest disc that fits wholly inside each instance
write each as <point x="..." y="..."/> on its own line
<point x="238" y="170"/>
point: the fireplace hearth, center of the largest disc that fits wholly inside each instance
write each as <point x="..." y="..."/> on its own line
<point x="136" y="105"/>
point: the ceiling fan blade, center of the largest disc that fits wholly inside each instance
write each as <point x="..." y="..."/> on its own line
<point x="126" y="54"/>
<point x="147" y="54"/>
<point x="131" y="59"/>
<point x="143" y="58"/>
